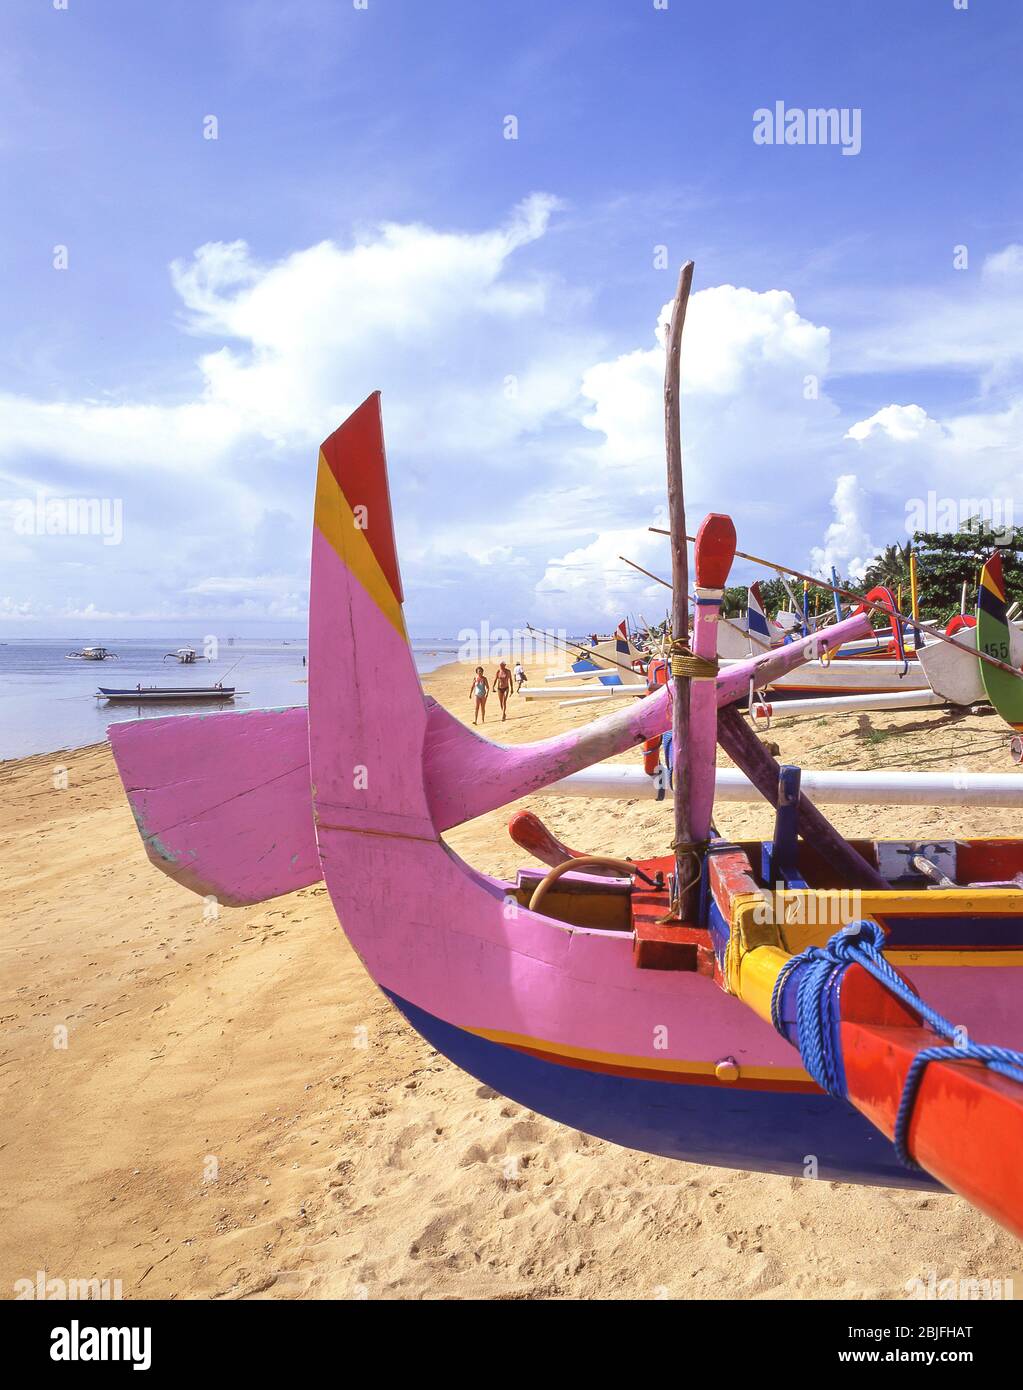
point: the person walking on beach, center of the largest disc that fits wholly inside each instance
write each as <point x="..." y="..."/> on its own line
<point x="503" y="685"/>
<point x="479" y="690"/>
<point x="520" y="677"/>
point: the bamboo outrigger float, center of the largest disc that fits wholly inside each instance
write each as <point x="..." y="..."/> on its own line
<point x="677" y="1006"/>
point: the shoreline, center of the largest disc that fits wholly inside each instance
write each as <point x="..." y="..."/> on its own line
<point x="96" y="742"/>
<point x="6" y="761"/>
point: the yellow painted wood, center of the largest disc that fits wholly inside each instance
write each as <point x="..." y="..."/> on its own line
<point x="336" y="522"/>
<point x="757" y="974"/>
<point x="665" y="1064"/>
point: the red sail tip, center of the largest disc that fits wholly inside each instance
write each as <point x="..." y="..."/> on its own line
<point x="992" y="575"/>
<point x="354" y="453"/>
<point x="715" y="551"/>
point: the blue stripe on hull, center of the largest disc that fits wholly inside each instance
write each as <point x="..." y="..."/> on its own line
<point x="953" y="933"/>
<point x="769" y="1131"/>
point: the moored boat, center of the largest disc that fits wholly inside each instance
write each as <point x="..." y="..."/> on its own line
<point x="141" y="694"/>
<point x="93" y="654"/>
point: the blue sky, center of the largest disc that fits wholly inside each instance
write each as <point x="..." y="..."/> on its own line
<point x="362" y="222"/>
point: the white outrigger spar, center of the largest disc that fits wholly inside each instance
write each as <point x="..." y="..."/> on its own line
<point x="622" y="781"/>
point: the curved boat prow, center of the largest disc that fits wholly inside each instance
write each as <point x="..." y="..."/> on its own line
<point x="367" y="712"/>
<point x="995" y="637"/>
<point x="551" y="1005"/>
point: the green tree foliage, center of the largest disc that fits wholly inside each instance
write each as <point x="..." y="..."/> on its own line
<point x="773" y="593"/>
<point x="945" y="561"/>
<point x="891" y="568"/>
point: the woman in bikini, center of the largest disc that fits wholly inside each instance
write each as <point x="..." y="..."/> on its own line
<point x="503" y="684"/>
<point x="479" y="690"/>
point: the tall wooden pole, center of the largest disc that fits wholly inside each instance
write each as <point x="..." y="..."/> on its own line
<point x="686" y="862"/>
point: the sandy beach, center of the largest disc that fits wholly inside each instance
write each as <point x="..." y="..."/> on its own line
<point x="225" y="1106"/>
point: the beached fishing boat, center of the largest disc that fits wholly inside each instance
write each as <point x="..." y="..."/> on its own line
<point x="954" y="674"/>
<point x="614" y="658"/>
<point x="538" y="986"/>
<point x="882" y="663"/>
<point x="157" y="694"/>
<point x="745" y="1004"/>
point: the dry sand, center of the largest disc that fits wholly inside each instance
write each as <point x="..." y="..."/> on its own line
<point x="239" y="1113"/>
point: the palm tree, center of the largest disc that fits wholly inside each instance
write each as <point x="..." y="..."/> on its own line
<point x="890" y="567"/>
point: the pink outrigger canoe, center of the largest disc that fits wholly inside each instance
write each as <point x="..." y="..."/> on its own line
<point x="555" y="1008"/>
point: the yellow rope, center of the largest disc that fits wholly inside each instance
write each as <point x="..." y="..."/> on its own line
<point x="733" y="959"/>
<point x="684" y="663"/>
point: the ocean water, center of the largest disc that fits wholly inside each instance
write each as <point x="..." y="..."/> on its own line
<point x="48" y="702"/>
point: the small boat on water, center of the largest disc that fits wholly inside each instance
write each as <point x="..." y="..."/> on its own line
<point x="186" y="655"/>
<point x="157" y="694"/>
<point x="92" y="654"/>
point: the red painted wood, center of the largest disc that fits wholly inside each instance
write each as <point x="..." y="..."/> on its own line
<point x="988" y="860"/>
<point x="355" y="455"/>
<point x="967" y="1125"/>
<point x="715" y="550"/>
<point x="529" y="833"/>
<point x="730" y="875"/>
<point x="671" y="946"/>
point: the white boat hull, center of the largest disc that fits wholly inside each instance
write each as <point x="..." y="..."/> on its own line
<point x="954" y="671"/>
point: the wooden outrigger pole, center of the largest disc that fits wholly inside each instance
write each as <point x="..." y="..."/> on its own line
<point x="683" y="847"/>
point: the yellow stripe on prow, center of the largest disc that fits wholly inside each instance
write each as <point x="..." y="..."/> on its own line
<point x="337" y="524"/>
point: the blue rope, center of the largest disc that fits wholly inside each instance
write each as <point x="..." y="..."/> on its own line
<point x="817" y="1016"/>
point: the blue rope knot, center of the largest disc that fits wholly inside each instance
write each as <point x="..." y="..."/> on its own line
<point x="820" y="973"/>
